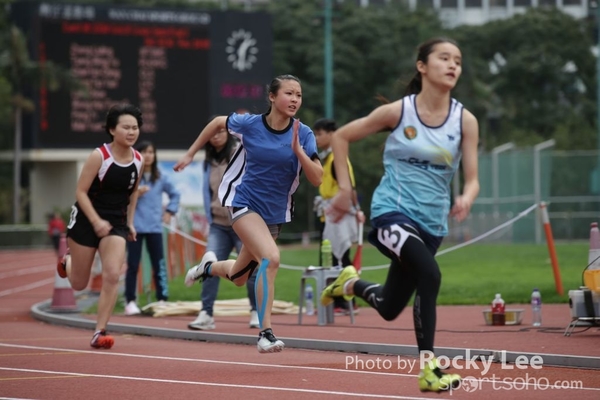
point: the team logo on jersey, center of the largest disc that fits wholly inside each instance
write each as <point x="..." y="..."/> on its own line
<point x="132" y="180"/>
<point x="410" y="132"/>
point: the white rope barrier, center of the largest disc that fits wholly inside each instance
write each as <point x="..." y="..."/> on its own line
<point x="185" y="235"/>
<point x="383" y="266"/>
<point x="468" y="242"/>
<point x="488" y="233"/>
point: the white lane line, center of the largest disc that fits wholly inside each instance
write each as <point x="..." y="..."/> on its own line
<point x="17" y="261"/>
<point x="199" y="360"/>
<point x="298" y="367"/>
<point x="225" y="385"/>
<point x="27" y="271"/>
<point x="27" y="287"/>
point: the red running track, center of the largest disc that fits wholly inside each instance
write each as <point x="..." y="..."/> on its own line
<point x="38" y="361"/>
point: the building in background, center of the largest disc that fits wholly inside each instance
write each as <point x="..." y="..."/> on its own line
<point x="457" y="12"/>
<point x="476" y="12"/>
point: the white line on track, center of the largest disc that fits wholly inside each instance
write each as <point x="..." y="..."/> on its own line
<point x="227" y="385"/>
<point x="17" y="261"/>
<point x="27" y="287"/>
<point x="200" y="360"/>
<point x="197" y="360"/>
<point x="27" y="271"/>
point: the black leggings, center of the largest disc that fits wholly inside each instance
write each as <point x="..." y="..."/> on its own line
<point x="418" y="271"/>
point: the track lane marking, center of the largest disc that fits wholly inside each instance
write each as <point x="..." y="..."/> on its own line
<point x="299" y="367"/>
<point x="25" y="288"/>
<point x="225" y="385"/>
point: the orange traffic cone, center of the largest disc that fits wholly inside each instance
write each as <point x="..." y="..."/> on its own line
<point x="96" y="279"/>
<point x="63" y="298"/>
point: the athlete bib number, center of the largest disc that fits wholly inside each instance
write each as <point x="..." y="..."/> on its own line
<point x="73" y="217"/>
<point x="393" y="237"/>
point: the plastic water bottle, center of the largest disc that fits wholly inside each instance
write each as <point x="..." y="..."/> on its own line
<point x="498" y="315"/>
<point x="536" y="308"/>
<point x="326" y="256"/>
<point x="309" y="299"/>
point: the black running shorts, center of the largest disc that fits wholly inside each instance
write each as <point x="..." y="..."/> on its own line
<point x="82" y="232"/>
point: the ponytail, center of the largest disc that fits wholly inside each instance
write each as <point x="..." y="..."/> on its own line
<point x="415" y="85"/>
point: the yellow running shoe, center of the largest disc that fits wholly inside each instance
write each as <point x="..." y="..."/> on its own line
<point x="336" y="289"/>
<point x="432" y="379"/>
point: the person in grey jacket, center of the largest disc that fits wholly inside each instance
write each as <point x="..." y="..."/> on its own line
<point x="149" y="217"/>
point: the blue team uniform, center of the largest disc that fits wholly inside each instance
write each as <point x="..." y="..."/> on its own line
<point x="419" y="163"/>
<point x="264" y="172"/>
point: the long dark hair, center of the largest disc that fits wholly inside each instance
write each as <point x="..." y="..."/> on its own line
<point x="423" y="51"/>
<point x="211" y="152"/>
<point x="154" y="171"/>
<point x="275" y="84"/>
<point x="113" y="114"/>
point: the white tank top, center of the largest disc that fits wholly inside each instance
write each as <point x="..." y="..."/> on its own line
<point x="419" y="163"/>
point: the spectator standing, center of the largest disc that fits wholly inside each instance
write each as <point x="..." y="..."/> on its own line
<point x="150" y="215"/>
<point x="344" y="233"/>
<point x="56" y="227"/>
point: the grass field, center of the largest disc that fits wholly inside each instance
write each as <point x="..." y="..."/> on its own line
<point x="471" y="275"/>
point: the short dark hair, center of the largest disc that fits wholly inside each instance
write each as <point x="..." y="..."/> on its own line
<point x="326" y="124"/>
<point x="113" y="114"/>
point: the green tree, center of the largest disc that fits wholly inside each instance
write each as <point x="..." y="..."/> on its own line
<point x="374" y="55"/>
<point x="18" y="72"/>
<point x="539" y="76"/>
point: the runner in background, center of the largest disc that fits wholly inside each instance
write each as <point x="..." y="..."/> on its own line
<point x="102" y="216"/>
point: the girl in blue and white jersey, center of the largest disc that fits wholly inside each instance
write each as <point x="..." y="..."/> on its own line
<point x="257" y="189"/>
<point x="429" y="134"/>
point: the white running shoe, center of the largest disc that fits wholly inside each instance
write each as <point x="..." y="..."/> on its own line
<point x="204" y="322"/>
<point x="268" y="343"/>
<point x="132" y="308"/>
<point x="254" y="322"/>
<point x="198" y="273"/>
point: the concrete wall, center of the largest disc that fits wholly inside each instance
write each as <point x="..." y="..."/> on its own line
<point x="52" y="186"/>
<point x="54" y="174"/>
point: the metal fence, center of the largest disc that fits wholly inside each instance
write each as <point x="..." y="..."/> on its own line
<point x="512" y="179"/>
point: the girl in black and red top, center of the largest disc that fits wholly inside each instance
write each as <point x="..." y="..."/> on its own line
<point x="102" y="217"/>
